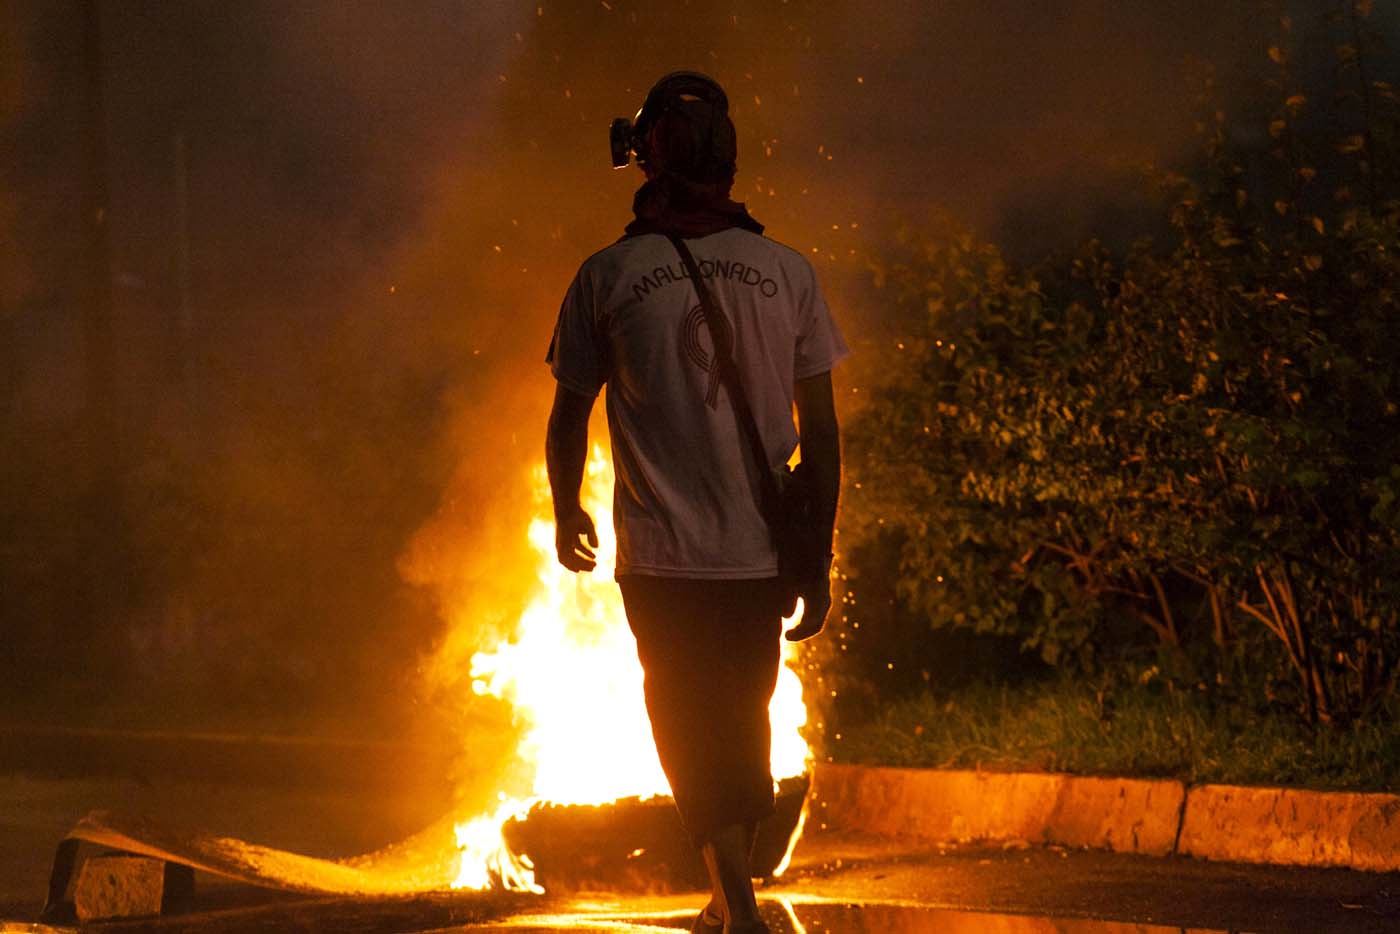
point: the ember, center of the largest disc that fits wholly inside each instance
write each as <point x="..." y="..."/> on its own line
<point x="572" y="677"/>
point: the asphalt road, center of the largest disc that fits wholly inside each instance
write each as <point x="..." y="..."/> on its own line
<point x="836" y="884"/>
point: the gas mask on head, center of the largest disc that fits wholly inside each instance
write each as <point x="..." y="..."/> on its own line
<point x="627" y="138"/>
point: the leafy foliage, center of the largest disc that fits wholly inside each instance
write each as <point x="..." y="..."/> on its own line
<point x="1190" y="451"/>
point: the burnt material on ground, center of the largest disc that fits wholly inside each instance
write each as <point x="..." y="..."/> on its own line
<point x="424" y="862"/>
<point x="835" y="882"/>
<point x="636" y="845"/>
<point x="245" y="910"/>
<point x="854" y="885"/>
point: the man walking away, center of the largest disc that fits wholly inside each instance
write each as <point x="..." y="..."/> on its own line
<point x="702" y="379"/>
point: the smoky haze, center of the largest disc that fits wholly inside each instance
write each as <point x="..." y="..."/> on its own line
<point x="339" y="236"/>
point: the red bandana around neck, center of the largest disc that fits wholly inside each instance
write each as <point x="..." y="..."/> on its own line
<point x="668" y="208"/>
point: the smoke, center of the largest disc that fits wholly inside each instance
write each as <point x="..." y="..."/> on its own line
<point x="384" y="207"/>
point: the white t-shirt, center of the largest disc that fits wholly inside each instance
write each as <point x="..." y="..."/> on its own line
<point x="686" y="499"/>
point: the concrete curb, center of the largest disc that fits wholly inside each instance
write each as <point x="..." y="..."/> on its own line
<point x="1293" y="827"/>
<point x="1155" y="818"/>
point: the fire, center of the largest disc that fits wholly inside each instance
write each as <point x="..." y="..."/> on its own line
<point x="572" y="677"/>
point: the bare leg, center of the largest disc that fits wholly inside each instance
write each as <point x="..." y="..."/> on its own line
<point x="727" y="859"/>
<point x="713" y="912"/>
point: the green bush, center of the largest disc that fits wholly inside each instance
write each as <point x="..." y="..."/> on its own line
<point x="1189" y="451"/>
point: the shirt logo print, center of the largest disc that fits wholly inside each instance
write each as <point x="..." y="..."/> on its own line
<point x="697" y="353"/>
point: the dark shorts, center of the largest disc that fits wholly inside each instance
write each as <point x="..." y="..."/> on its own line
<point x="710" y="653"/>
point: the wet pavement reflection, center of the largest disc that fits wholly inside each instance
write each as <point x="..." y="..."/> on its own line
<point x="790" y="916"/>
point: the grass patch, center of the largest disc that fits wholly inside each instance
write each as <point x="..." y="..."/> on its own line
<point x="1151" y="731"/>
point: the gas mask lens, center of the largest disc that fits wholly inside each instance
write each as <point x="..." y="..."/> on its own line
<point x="620" y="141"/>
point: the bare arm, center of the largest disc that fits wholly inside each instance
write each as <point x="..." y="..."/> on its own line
<point x="821" y="454"/>
<point x="565" y="454"/>
<point x="821" y="446"/>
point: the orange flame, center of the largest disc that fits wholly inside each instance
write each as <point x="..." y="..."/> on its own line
<point x="571" y="669"/>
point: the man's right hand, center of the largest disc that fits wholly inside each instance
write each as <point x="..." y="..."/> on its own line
<point x="574" y="541"/>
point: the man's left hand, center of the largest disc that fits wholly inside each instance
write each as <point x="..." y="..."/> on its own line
<point x="816" y="604"/>
<point x="574" y="540"/>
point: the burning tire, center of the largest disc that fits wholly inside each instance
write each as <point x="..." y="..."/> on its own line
<point x="637" y="844"/>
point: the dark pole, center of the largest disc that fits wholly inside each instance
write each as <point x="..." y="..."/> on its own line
<point x="10" y="359"/>
<point x="98" y="338"/>
<point x="184" y="329"/>
<point x="103" y="518"/>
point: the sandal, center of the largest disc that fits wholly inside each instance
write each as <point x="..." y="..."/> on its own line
<point x="706" y="924"/>
<point x="752" y="927"/>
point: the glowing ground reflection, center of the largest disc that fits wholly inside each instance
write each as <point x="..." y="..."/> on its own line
<point x="789" y="916"/>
